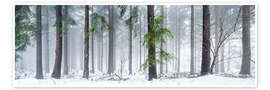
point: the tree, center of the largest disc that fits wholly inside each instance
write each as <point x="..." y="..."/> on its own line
<point x="39" y="72"/>
<point x="47" y="46"/>
<point x="65" y="37"/>
<point x="155" y="36"/>
<point x="205" y="65"/>
<point x="86" y="43"/>
<point x="111" y="39"/>
<point x="246" y="57"/>
<point x="222" y="37"/>
<point x="92" y="45"/>
<point x="131" y="23"/>
<point x="58" y="52"/>
<point x="217" y="32"/>
<point x="152" y="72"/>
<point x="130" y="41"/>
<point x="192" y="61"/>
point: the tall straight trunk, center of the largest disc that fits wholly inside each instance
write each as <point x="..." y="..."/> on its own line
<point x="47" y="46"/>
<point x="161" y="45"/>
<point x="65" y="11"/>
<point x="205" y="65"/>
<point x="192" y="65"/>
<point x="130" y="43"/>
<point x="58" y="52"/>
<point x="86" y="43"/>
<point x="152" y="72"/>
<point x="111" y="37"/>
<point x="246" y="56"/>
<point x="39" y="72"/>
<point x="92" y="46"/>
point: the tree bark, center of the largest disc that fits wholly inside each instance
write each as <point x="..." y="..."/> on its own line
<point x="86" y="43"/>
<point x="205" y="65"/>
<point x="152" y="72"/>
<point x="192" y="65"/>
<point x="58" y="52"/>
<point x="246" y="57"/>
<point x="39" y="72"/>
<point x="111" y="46"/>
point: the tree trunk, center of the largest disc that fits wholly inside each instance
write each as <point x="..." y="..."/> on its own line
<point x="58" y="52"/>
<point x="86" y="43"/>
<point x="130" y="43"/>
<point x="110" y="56"/>
<point x="192" y="65"/>
<point x="47" y="46"/>
<point x="205" y="65"/>
<point x="152" y="72"/>
<point x="39" y="72"/>
<point x="246" y="57"/>
<point x="92" y="46"/>
<point x="65" y="40"/>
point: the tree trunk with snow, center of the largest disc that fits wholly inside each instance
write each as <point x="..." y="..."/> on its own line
<point x="246" y="57"/>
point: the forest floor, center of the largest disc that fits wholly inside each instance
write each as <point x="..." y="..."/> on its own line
<point x="139" y="80"/>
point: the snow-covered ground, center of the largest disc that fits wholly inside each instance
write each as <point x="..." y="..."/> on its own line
<point x="140" y="81"/>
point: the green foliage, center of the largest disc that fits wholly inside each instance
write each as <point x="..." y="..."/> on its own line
<point x="160" y="37"/>
<point x="24" y="29"/>
<point x="123" y="9"/>
<point x="98" y="19"/>
<point x="133" y="17"/>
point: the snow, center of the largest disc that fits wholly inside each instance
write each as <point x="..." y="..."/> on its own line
<point x="140" y="81"/>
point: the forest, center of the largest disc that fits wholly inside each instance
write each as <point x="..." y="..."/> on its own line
<point x="148" y="43"/>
